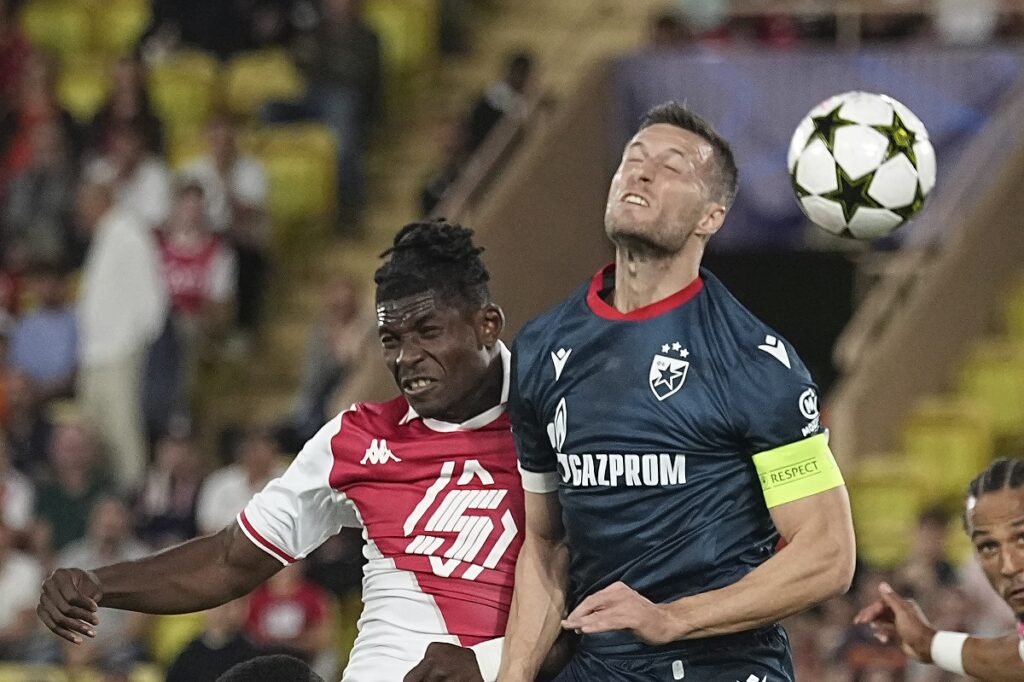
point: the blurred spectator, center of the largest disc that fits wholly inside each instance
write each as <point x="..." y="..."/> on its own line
<point x="332" y="348"/>
<point x="65" y="502"/>
<point x="122" y="308"/>
<point x="341" y="59"/>
<point x="289" y="613"/>
<point x="225" y="492"/>
<point x="28" y="429"/>
<point x="140" y="181"/>
<point x="119" y="643"/>
<point x="506" y="97"/>
<point x="668" y="32"/>
<point x="928" y="567"/>
<point x="235" y="187"/>
<point x="199" y="273"/>
<point x="165" y="511"/>
<point x="222" y="645"/>
<point x="20" y="577"/>
<point x="14" y="53"/>
<point x="35" y="104"/>
<point x="17" y="495"/>
<point x="217" y="27"/>
<point x="451" y="142"/>
<point x="37" y="207"/>
<point x="957" y="23"/>
<point x="127" y="105"/>
<point x="44" y="342"/>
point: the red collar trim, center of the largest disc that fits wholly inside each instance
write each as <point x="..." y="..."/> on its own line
<point x="602" y="309"/>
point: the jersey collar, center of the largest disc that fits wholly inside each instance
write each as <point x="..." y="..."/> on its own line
<point x="605" y="280"/>
<point x="482" y="419"/>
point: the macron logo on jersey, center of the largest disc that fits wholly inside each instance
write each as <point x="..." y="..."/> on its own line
<point x="775" y="348"/>
<point x="379" y="453"/>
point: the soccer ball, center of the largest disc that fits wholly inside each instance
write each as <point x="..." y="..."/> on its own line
<point x="861" y="164"/>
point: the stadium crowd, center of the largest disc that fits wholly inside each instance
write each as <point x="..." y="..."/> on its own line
<point x="120" y="279"/>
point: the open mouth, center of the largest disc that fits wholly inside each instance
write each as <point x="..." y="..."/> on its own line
<point x="635" y="199"/>
<point x="1016" y="594"/>
<point x="416" y="385"/>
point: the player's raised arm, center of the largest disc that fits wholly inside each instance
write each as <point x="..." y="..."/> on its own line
<point x="293" y="515"/>
<point x="539" y="599"/>
<point x="193" y="576"/>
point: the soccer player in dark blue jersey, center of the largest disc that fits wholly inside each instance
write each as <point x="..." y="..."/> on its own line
<point x="667" y="439"/>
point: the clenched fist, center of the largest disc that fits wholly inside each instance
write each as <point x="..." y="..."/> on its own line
<point x="69" y="603"/>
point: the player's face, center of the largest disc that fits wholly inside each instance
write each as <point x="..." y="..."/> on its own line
<point x="996" y="527"/>
<point x="659" y="195"/>
<point x="439" y="354"/>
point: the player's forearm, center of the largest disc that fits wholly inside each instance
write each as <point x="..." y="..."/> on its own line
<point x="190" y="577"/>
<point x="993" y="660"/>
<point x="538" y="606"/>
<point x="809" y="570"/>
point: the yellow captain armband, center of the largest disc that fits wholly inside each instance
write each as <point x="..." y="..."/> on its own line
<point x="798" y="470"/>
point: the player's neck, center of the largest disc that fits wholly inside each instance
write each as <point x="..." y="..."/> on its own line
<point x="642" y="279"/>
<point x="487" y="394"/>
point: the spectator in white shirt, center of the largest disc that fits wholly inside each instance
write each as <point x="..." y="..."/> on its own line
<point x="122" y="308"/>
<point x="20" y="575"/>
<point x="225" y="492"/>
<point x="17" y="494"/>
<point x="141" y="181"/>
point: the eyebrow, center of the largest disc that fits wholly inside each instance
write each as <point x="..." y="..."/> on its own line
<point x="1019" y="523"/>
<point x="643" y="147"/>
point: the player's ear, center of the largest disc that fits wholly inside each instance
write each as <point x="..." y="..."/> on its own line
<point x="712" y="221"/>
<point x="490" y="323"/>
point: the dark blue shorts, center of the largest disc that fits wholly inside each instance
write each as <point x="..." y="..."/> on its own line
<point x="758" y="656"/>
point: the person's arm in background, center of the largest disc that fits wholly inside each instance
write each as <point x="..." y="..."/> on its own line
<point x="901" y="621"/>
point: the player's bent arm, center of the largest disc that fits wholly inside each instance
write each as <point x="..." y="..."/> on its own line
<point x="538" y="602"/>
<point x="193" y="576"/>
<point x="817" y="563"/>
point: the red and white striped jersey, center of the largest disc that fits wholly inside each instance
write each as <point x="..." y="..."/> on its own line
<point x="441" y="507"/>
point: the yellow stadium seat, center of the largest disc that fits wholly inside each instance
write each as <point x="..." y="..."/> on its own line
<point x="408" y="31"/>
<point x="886" y="498"/>
<point x="993" y="380"/>
<point x="171" y="634"/>
<point x="947" y="442"/>
<point x="83" y="87"/>
<point x="60" y="27"/>
<point x="183" y="147"/>
<point x="257" y="77"/>
<point x="301" y="162"/>
<point x="118" y="25"/>
<point x="350" y="606"/>
<point x="183" y="90"/>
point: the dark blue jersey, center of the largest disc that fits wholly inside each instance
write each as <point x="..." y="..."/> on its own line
<point x="646" y="424"/>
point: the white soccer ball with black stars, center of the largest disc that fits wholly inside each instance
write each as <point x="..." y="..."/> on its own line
<point x="861" y="165"/>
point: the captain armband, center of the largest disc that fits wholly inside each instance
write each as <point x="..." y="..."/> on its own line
<point x="798" y="470"/>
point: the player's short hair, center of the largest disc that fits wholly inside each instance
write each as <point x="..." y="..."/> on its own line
<point x="724" y="178"/>
<point x="434" y="256"/>
<point x="273" y="668"/>
<point x="1002" y="474"/>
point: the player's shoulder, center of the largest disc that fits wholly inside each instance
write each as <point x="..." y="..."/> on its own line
<point x="741" y="337"/>
<point x="547" y="324"/>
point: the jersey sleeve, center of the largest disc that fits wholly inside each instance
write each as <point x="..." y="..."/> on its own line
<point x="538" y="463"/>
<point x="297" y="512"/>
<point x="775" y="405"/>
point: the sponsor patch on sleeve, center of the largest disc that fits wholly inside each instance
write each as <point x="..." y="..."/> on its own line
<point x="797" y="470"/>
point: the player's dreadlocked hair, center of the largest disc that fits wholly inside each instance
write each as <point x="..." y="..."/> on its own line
<point x="1002" y="474"/>
<point x="434" y="256"/>
<point x="724" y="176"/>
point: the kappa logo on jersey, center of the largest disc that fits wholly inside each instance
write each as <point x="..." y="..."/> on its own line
<point x="559" y="358"/>
<point x="558" y="429"/>
<point x="668" y="373"/>
<point x="775" y="348"/>
<point x="753" y="678"/>
<point x="379" y="453"/>
<point x="809" y="409"/>
<point x="452" y="515"/>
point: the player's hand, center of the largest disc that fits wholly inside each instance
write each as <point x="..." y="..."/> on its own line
<point x="895" y="619"/>
<point x="619" y="607"/>
<point x="69" y="603"/>
<point x="445" y="663"/>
